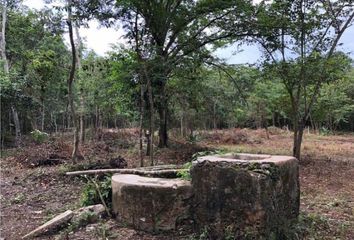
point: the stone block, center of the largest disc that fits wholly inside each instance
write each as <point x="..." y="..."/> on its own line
<point x="150" y="204"/>
<point x="243" y="195"/>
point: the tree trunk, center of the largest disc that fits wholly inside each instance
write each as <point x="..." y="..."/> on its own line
<point x="70" y="85"/>
<point x="17" y="124"/>
<point x="266" y="128"/>
<point x="273" y="119"/>
<point x="82" y="101"/>
<point x="97" y="117"/>
<point x="214" y="116"/>
<point x="298" y="134"/>
<point x="151" y="127"/>
<point x="6" y="68"/>
<point x="163" y="137"/>
<point x="181" y="121"/>
<point x="144" y="74"/>
<point x="82" y="119"/>
<point x="3" y="39"/>
<point x="162" y="111"/>
<point x="141" y="124"/>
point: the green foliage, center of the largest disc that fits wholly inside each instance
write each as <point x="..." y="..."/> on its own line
<point x="38" y="136"/>
<point x="90" y="195"/>
<point x="184" y="173"/>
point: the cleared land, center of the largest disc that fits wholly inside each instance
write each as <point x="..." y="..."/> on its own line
<point x="32" y="191"/>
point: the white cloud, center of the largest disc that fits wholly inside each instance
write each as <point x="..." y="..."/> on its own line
<point x="95" y="37"/>
<point x="99" y="38"/>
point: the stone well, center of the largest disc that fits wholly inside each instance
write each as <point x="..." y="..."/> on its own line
<point x="245" y="195"/>
<point x="150" y="204"/>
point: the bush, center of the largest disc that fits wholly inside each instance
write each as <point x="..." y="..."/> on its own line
<point x="90" y="195"/>
<point x="38" y="136"/>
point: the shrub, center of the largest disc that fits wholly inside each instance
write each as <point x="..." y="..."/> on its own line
<point x="90" y="194"/>
<point x="38" y="136"/>
<point x="184" y="173"/>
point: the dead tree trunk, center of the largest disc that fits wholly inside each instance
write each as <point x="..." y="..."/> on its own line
<point x="70" y="85"/>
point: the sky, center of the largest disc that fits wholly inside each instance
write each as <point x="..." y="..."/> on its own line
<point x="100" y="39"/>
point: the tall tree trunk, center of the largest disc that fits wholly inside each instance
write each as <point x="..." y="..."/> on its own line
<point x="82" y="101"/>
<point x="163" y="136"/>
<point x="144" y="74"/>
<point x="82" y="118"/>
<point x="141" y="123"/>
<point x="42" y="107"/>
<point x="3" y="38"/>
<point x="151" y="127"/>
<point x="6" y="68"/>
<point x="70" y="85"/>
<point x="162" y="111"/>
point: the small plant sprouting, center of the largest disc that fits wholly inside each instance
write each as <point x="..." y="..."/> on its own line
<point x="184" y="173"/>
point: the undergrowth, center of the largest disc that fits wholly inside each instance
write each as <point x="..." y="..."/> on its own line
<point x="93" y="189"/>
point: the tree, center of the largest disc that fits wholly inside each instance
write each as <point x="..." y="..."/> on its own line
<point x="171" y="31"/>
<point x="70" y="83"/>
<point x="300" y="39"/>
<point x="6" y="64"/>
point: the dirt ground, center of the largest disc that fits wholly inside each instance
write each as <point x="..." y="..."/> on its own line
<point x="32" y="193"/>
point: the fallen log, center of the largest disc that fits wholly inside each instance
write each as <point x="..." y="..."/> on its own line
<point x="79" y="218"/>
<point x="54" y="223"/>
<point x="167" y="173"/>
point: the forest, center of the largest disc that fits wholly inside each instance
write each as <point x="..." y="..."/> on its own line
<point x="164" y="97"/>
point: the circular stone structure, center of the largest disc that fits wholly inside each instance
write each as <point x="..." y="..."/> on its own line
<point x="150" y="204"/>
<point x="246" y="196"/>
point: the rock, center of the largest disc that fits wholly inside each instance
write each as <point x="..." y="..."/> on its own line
<point x="54" y="223"/>
<point x="242" y="195"/>
<point x="150" y="204"/>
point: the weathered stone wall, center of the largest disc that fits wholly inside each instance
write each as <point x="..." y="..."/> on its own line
<point x="251" y="197"/>
<point x="150" y="204"/>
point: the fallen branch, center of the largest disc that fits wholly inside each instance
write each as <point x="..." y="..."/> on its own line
<point x="152" y="173"/>
<point x="59" y="220"/>
<point x="79" y="217"/>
